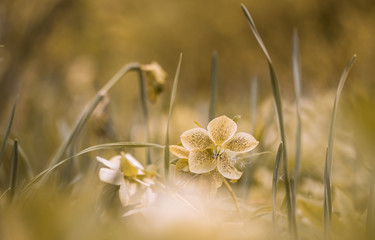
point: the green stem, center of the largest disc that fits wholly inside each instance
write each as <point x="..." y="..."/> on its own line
<point x="233" y="197"/>
<point x="142" y="83"/>
<point x="13" y="170"/>
<point x="73" y="136"/>
<point x="213" y="87"/>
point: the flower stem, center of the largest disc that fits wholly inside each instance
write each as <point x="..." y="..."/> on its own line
<point x="233" y="197"/>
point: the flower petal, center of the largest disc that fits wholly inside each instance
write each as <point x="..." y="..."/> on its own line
<point x="148" y="197"/>
<point x="227" y="169"/>
<point x="113" y="163"/>
<point x="179" y="151"/>
<point x="182" y="165"/>
<point x="124" y="194"/>
<point x="196" y="139"/>
<point x="130" y="159"/>
<point x="182" y="174"/>
<point x="133" y="161"/>
<point x="206" y="186"/>
<point x="111" y="176"/>
<point x="128" y="169"/>
<point x="201" y="161"/>
<point x="241" y="142"/>
<point x="217" y="177"/>
<point x="221" y="129"/>
<point x="132" y="188"/>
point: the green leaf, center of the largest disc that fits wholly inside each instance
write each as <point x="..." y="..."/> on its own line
<point x="143" y="96"/>
<point x="171" y="104"/>
<point x="280" y="120"/>
<point x="327" y="201"/>
<point x="253" y="103"/>
<point x="297" y="89"/>
<point x="13" y="170"/>
<point x="10" y="123"/>
<point x="213" y="87"/>
<point x="275" y="178"/>
<point x="370" y="230"/>
<point x="89" y="109"/>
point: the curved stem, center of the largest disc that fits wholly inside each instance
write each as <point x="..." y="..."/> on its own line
<point x="233" y="197"/>
<point x="94" y="103"/>
<point x="142" y="84"/>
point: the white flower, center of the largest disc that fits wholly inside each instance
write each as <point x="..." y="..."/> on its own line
<point x="135" y="183"/>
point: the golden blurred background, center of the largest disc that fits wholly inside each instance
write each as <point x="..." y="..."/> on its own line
<point x="56" y="54"/>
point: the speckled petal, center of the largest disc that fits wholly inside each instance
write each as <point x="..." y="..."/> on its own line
<point x="179" y="151"/>
<point x="201" y="161"/>
<point x="196" y="139"/>
<point x="221" y="129"/>
<point x="227" y="169"/>
<point x="111" y="176"/>
<point x="217" y="177"/>
<point x="241" y="142"/>
<point x="206" y="186"/>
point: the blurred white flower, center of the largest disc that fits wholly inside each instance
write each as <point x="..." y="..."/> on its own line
<point x="134" y="181"/>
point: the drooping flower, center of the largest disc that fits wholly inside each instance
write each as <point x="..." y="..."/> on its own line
<point x="155" y="79"/>
<point x="134" y="181"/>
<point x="214" y="148"/>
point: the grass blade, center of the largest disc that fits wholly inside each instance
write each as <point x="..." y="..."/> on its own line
<point x="327" y="201"/>
<point x="275" y="177"/>
<point x="26" y="161"/>
<point x="246" y="180"/>
<point x="142" y="83"/>
<point x="89" y="110"/>
<point x="23" y="158"/>
<point x="371" y="209"/>
<point x="119" y="145"/>
<point x="327" y="207"/>
<point x="213" y="87"/>
<point x="280" y="121"/>
<point x="105" y="146"/>
<point x="297" y="89"/>
<point x="10" y="123"/>
<point x="171" y="104"/>
<point x="4" y="193"/>
<point x="253" y="103"/>
<point x="77" y="128"/>
<point x="13" y="170"/>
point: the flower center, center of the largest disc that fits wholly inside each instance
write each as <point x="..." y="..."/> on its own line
<point x="218" y="152"/>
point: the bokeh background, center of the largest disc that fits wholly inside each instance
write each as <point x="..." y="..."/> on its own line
<point x="56" y="54"/>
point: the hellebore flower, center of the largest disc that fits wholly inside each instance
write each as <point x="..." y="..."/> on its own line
<point x="214" y="148"/>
